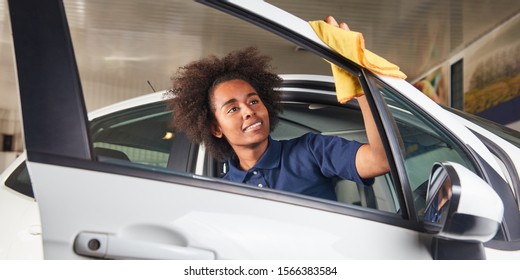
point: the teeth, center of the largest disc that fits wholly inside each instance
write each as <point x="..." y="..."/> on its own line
<point x="253" y="126"/>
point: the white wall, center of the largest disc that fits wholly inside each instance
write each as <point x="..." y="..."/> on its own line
<point x="6" y="158"/>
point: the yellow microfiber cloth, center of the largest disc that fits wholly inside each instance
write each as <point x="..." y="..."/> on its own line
<point x="351" y="45"/>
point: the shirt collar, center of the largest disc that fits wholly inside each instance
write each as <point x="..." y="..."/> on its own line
<point x="269" y="160"/>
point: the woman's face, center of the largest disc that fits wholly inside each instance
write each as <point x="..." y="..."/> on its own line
<point x="242" y="117"/>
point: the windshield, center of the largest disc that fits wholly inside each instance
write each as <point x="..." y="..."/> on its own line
<point x="504" y="132"/>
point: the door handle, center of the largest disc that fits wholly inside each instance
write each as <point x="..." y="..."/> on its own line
<point x="108" y="246"/>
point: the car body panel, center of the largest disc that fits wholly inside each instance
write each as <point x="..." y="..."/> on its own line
<point x="511" y="150"/>
<point x="20" y="237"/>
<point x="192" y="217"/>
<point x="493" y="254"/>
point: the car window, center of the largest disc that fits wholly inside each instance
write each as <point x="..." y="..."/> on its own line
<point x="139" y="135"/>
<point x="423" y="142"/>
<point x="20" y="181"/>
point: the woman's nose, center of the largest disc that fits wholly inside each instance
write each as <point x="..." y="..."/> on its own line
<point x="247" y="112"/>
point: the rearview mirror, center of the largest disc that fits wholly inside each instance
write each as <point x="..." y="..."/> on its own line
<point x="460" y="205"/>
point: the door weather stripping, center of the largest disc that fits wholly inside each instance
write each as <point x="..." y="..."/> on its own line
<point x="108" y="246"/>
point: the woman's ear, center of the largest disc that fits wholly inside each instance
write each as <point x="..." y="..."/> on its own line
<point x="215" y="130"/>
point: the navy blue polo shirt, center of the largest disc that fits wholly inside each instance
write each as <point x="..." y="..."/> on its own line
<point x="310" y="164"/>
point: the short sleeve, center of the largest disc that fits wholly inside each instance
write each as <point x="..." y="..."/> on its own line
<point x="336" y="156"/>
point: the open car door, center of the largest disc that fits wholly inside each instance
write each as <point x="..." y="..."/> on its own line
<point x="92" y="209"/>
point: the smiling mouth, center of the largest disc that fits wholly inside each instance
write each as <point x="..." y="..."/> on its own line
<point x="253" y="126"/>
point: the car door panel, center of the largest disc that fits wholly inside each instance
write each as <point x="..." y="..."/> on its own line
<point x="231" y="225"/>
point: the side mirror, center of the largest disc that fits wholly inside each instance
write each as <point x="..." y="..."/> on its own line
<point x="460" y="205"/>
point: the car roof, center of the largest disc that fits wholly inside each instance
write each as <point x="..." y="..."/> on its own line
<point x="291" y="82"/>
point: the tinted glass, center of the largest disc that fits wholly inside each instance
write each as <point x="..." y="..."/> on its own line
<point x="423" y="142"/>
<point x="20" y="181"/>
<point x="140" y="135"/>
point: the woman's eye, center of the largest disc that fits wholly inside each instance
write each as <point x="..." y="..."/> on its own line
<point x="254" y="101"/>
<point x="232" y="110"/>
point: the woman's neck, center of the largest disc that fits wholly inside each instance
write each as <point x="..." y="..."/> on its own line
<point x="249" y="156"/>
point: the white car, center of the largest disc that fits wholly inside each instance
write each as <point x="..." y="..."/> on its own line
<point x="119" y="184"/>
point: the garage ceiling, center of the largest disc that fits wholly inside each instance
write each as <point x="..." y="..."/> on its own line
<point x="123" y="44"/>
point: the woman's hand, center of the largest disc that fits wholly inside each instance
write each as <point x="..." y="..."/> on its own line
<point x="332" y="21"/>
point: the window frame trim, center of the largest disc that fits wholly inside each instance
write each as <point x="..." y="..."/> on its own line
<point x="387" y="129"/>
